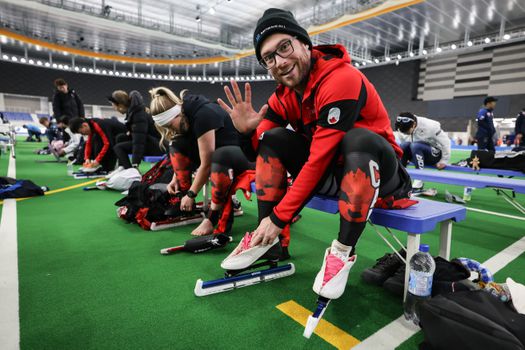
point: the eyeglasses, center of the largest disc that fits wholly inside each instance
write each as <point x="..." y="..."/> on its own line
<point x="284" y="50"/>
<point x="404" y="119"/>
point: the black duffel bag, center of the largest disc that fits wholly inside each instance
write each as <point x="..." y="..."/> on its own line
<point x="470" y="320"/>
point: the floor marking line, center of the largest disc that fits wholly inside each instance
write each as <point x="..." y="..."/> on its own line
<point x="9" y="307"/>
<point x="398" y="331"/>
<point x="58" y="190"/>
<point x="71" y="187"/>
<point x="325" y="330"/>
<point x="496" y="214"/>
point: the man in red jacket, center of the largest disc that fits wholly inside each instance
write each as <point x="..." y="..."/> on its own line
<point x="342" y="142"/>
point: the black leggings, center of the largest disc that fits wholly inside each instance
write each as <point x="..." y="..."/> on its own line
<point x="124" y="147"/>
<point x="227" y="162"/>
<point x="370" y="169"/>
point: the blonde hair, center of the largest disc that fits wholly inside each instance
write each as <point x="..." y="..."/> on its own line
<point x="163" y="99"/>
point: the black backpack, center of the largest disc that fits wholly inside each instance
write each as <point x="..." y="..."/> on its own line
<point x="12" y="188"/>
<point x="161" y="172"/>
<point x="470" y="320"/>
<point x="148" y="200"/>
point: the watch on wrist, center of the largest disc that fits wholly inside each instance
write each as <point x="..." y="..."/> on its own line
<point x="191" y="194"/>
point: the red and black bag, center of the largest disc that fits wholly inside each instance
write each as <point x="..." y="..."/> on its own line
<point x="161" y="172"/>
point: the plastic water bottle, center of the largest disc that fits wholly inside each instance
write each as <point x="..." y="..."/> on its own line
<point x="467" y="193"/>
<point x="422" y="268"/>
<point x="70" y="168"/>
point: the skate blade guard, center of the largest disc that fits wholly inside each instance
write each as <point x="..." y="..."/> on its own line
<point x="203" y="288"/>
<point x="79" y="176"/>
<point x="176" y="222"/>
<point x="313" y="320"/>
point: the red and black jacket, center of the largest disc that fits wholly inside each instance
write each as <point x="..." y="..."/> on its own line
<point x="106" y="130"/>
<point x="337" y="98"/>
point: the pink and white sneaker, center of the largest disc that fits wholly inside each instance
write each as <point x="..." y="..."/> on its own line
<point x="243" y="256"/>
<point x="330" y="281"/>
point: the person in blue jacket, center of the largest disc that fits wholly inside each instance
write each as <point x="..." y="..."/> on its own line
<point x="33" y="130"/>
<point x="486" y="129"/>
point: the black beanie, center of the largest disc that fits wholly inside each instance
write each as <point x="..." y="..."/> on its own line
<point x="277" y="21"/>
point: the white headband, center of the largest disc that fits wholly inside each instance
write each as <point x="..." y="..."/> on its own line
<point x="162" y="119"/>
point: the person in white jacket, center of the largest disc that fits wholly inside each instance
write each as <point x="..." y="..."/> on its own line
<point x="423" y="141"/>
<point x="72" y="145"/>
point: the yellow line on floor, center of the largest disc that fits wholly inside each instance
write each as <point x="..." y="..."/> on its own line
<point x="327" y="331"/>
<point x="59" y="190"/>
<point x="72" y="187"/>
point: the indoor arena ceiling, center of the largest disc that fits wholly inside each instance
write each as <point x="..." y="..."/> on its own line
<point x="193" y="33"/>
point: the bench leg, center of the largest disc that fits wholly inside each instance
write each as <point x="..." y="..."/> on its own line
<point x="205" y="197"/>
<point x="445" y="239"/>
<point x="412" y="248"/>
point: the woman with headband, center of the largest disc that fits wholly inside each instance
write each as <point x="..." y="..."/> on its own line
<point x="202" y="137"/>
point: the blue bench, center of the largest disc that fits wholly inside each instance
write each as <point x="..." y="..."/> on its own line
<point x="470" y="180"/>
<point x="415" y="220"/>
<point x="472" y="148"/>
<point x="153" y="159"/>
<point x="497" y="183"/>
<point x="483" y="171"/>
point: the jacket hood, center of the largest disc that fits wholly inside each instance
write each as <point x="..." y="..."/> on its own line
<point x="136" y="104"/>
<point x="192" y="103"/>
<point x="325" y="59"/>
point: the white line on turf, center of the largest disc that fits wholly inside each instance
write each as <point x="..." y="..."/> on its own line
<point x="496" y="214"/>
<point x="398" y="331"/>
<point x="9" y="319"/>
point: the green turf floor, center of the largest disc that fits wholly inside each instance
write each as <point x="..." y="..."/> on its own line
<point x="90" y="281"/>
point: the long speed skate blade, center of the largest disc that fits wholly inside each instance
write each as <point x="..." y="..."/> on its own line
<point x="314" y="319"/>
<point x="157" y="226"/>
<point x="171" y="250"/>
<point x="87" y="176"/>
<point x="203" y="288"/>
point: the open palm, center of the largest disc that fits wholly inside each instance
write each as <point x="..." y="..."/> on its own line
<point x="244" y="117"/>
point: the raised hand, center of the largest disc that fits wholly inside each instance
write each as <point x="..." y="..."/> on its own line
<point x="244" y="117"/>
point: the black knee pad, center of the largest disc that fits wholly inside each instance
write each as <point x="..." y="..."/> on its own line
<point x="273" y="139"/>
<point x="221" y="156"/>
<point x="362" y="140"/>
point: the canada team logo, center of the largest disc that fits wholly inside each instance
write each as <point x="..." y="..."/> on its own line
<point x="333" y="115"/>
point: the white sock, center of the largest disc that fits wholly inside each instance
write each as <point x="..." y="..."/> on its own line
<point x="341" y="250"/>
